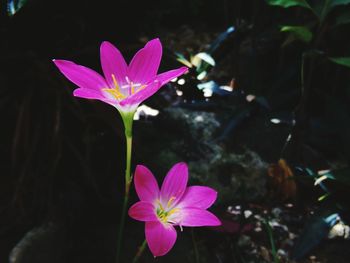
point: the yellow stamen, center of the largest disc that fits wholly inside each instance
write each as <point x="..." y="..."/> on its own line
<point x="173" y="211"/>
<point x="142" y="87"/>
<point x="115" y="82"/>
<point x="115" y="92"/>
<point x="163" y="214"/>
<point x="160" y="205"/>
<point x="171" y="200"/>
<point x="132" y="88"/>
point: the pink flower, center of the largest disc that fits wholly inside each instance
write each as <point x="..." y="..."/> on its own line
<point x="123" y="86"/>
<point x="173" y="205"/>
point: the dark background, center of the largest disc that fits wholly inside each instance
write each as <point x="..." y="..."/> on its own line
<point x="62" y="158"/>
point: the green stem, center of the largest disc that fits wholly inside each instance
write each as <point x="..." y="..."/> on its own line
<point x="140" y="251"/>
<point x="272" y="242"/>
<point x="128" y="121"/>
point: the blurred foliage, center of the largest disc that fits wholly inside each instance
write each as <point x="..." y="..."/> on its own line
<point x="289" y="3"/>
<point x="13" y="6"/>
<point x="299" y="32"/>
<point x="345" y="61"/>
<point x="316" y="28"/>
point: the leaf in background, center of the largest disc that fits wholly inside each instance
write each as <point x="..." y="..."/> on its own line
<point x="299" y="32"/>
<point x="289" y="3"/>
<point x="196" y="60"/>
<point x="211" y="87"/>
<point x="340" y="175"/>
<point x="13" y="6"/>
<point x="315" y="231"/>
<point x="339" y="2"/>
<point x="342" y="19"/>
<point x="221" y="38"/>
<point x="323" y="8"/>
<point x="183" y="60"/>
<point x="344" y="61"/>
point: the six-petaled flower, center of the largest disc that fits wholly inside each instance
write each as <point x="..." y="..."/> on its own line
<point x="174" y="204"/>
<point x="123" y="86"/>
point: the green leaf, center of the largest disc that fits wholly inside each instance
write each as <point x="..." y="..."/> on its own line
<point x="342" y="19"/>
<point x="315" y="230"/>
<point x="323" y="197"/>
<point x="289" y="3"/>
<point x="344" y="61"/>
<point x="299" y="32"/>
<point x="342" y="175"/>
<point x="13" y="6"/>
<point x="323" y="8"/>
<point x="339" y="2"/>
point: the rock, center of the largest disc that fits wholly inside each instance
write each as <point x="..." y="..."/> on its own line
<point x="41" y="245"/>
<point x="188" y="135"/>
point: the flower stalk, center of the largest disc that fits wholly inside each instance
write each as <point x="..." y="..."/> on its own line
<point x="125" y="87"/>
<point x="140" y="251"/>
<point x="128" y="122"/>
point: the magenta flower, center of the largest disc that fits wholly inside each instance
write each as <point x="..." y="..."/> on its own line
<point x="173" y="205"/>
<point x="123" y="86"/>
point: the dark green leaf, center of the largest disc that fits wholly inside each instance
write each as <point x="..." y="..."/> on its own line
<point x="13" y="6"/>
<point x="314" y="232"/>
<point x="323" y="8"/>
<point x="339" y="2"/>
<point x="343" y="19"/>
<point x="344" y="61"/>
<point x="289" y="3"/>
<point x="299" y="32"/>
<point x="342" y="175"/>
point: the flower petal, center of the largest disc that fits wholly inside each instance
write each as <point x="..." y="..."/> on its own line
<point x="143" y="211"/>
<point x="171" y="74"/>
<point x="145" y="184"/>
<point x="142" y="95"/>
<point x="160" y="238"/>
<point x="174" y="184"/>
<point x="144" y="65"/>
<point x="198" y="217"/>
<point x="81" y="76"/>
<point x="92" y="94"/>
<point x="88" y="94"/>
<point x="198" y="196"/>
<point x="113" y="63"/>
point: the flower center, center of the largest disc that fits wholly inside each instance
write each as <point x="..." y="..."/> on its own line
<point x="164" y="214"/>
<point x="124" y="91"/>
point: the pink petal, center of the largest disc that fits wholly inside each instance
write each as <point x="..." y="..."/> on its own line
<point x="144" y="65"/>
<point x="171" y="74"/>
<point x="112" y="62"/>
<point x="88" y="94"/>
<point x="160" y="238"/>
<point x="143" y="211"/>
<point x="174" y="184"/>
<point x="142" y="95"/>
<point x="198" y="196"/>
<point x="146" y="185"/>
<point x="81" y="76"/>
<point x="92" y="94"/>
<point x="198" y="217"/>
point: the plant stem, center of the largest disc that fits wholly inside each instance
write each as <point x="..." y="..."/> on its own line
<point x="272" y="242"/>
<point x="140" y="251"/>
<point x="128" y="121"/>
